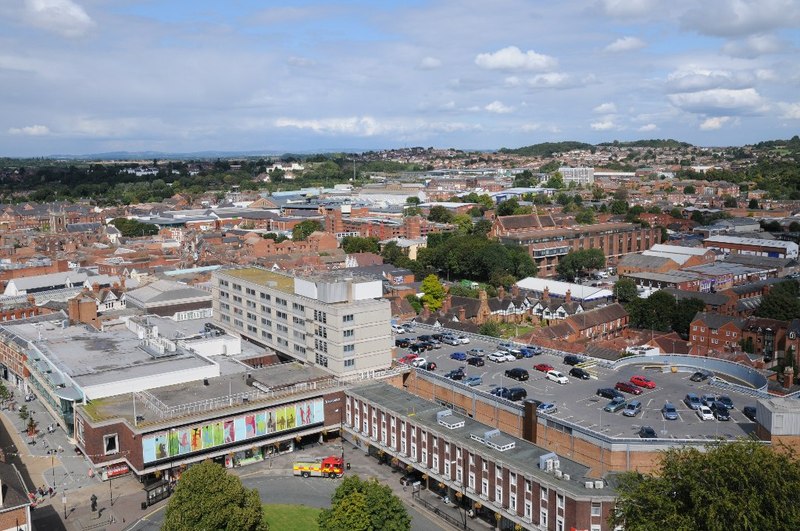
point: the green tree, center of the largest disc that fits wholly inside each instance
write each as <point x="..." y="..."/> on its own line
<point x="482" y="227"/>
<point x="4" y="392"/>
<point x="23" y="412"/>
<point x="433" y="292"/>
<point x="440" y="214"/>
<point x="625" y="291"/>
<point x="585" y="217"/>
<point x="753" y="205"/>
<point x="414" y="302"/>
<point x="304" y="229"/>
<point x="207" y="497"/>
<point x="507" y="207"/>
<point x="685" y="310"/>
<point x="489" y="328"/>
<point x="364" y="505"/>
<point x="729" y="202"/>
<point x="781" y="302"/>
<point x="413" y="200"/>
<point x="463" y="223"/>
<point x="656" y="312"/>
<point x="618" y="207"/>
<point x="689" y="189"/>
<point x="131" y="228"/>
<point x="556" y="181"/>
<point x="676" y="213"/>
<point x="356" y="244"/>
<point x="576" y="263"/>
<point x="736" y="485"/>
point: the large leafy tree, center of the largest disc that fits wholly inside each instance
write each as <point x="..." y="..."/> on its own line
<point x="781" y="302"/>
<point x="440" y="214"/>
<point x="357" y="244"/>
<point x="364" y="505"/>
<point x="130" y="228"/>
<point x="578" y="262"/>
<point x="303" y="230"/>
<point x="625" y="290"/>
<point x="738" y="485"/>
<point x="433" y="292"/>
<point x="655" y="312"/>
<point x="685" y="310"/>
<point x="207" y="497"/>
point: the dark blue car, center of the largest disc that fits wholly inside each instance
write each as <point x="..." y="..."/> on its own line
<point x="460" y="356"/>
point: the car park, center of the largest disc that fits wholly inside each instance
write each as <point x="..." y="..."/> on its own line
<point x="543" y="367"/>
<point x="476" y="352"/>
<point x="464" y="340"/>
<point x="517" y="373"/>
<point x="458" y="356"/>
<point x="476" y="361"/>
<point x="450" y="340"/>
<point x="497" y="357"/>
<point x="428" y="366"/>
<point x="558" y="377"/>
<point x="615" y="405"/>
<point x="571" y="359"/>
<point x="749" y="412"/>
<point x="547" y="408"/>
<point x="455" y="374"/>
<point x="707" y="400"/>
<point x="579" y="373"/>
<point x="643" y="381"/>
<point x="646" y="432"/>
<point x="704" y="413"/>
<point x="515" y="394"/>
<point x="725" y="400"/>
<point x="397" y="329"/>
<point x="632" y="408"/>
<point x="627" y="388"/>
<point x="502" y="392"/>
<point x="435" y="344"/>
<point x="472" y="381"/>
<point x="407" y="359"/>
<point x="418" y="361"/>
<point x="692" y="400"/>
<point x="506" y="345"/>
<point x="720" y="411"/>
<point x="669" y="412"/>
<point x="609" y="392"/>
<point x="402" y="342"/>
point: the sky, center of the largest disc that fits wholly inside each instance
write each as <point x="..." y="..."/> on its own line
<point x="93" y="76"/>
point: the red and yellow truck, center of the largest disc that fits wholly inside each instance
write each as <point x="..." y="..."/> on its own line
<point x="329" y="467"/>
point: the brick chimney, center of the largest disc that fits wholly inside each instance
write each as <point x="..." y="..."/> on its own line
<point x="546" y="294"/>
<point x="515" y="291"/>
<point x="462" y="314"/>
<point x="426" y="311"/>
<point x="568" y="296"/>
<point x="447" y="303"/>
<point x="501" y="293"/>
<point x="788" y="377"/>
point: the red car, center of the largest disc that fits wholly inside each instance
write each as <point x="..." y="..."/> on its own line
<point x="626" y="387"/>
<point x="543" y="367"/>
<point x="407" y="359"/>
<point x="642" y="381"/>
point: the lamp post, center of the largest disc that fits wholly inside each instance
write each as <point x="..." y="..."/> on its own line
<point x="64" y="502"/>
<point x="110" y="492"/>
<point x="52" y="453"/>
<point x="462" y="499"/>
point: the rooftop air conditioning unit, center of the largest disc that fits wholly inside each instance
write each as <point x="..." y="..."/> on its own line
<point x="588" y="484"/>
<point x="566" y="477"/>
<point x="559" y="474"/>
<point x="598" y="484"/>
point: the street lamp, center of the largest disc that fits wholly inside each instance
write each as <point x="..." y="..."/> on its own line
<point x="52" y="453"/>
<point x="110" y="492"/>
<point x="462" y="498"/>
<point x="64" y="502"/>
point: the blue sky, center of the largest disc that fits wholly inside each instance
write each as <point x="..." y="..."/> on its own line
<point x="88" y="76"/>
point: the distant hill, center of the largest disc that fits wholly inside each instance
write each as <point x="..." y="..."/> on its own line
<point x="546" y="149"/>
<point x="652" y="143"/>
<point x="793" y="144"/>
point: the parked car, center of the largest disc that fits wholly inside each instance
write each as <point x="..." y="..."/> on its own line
<point x="402" y="342"/>
<point x="458" y="356"/>
<point x="472" y="381"/>
<point x="497" y="357"/>
<point x="510" y="356"/>
<point x="609" y="392"/>
<point x="628" y="388"/>
<point x="397" y="329"/>
<point x="537" y="350"/>
<point x="646" y="432"/>
<point x="517" y="373"/>
<point x="700" y="376"/>
<point x="643" y="381"/>
<point x="407" y="358"/>
<point x="438" y="336"/>
<point x="571" y="359"/>
<point x="669" y="411"/>
<point x="577" y="372"/>
<point x="502" y="392"/>
<point x="408" y="327"/>
<point x="476" y="352"/>
<point x="726" y="401"/>
<point x="418" y="361"/>
<point x="543" y="367"/>
<point x="720" y="411"/>
<point x="692" y="400"/>
<point x="464" y="340"/>
<point x="558" y="377"/>
<point x="526" y="352"/>
<point x="424" y="337"/>
<point x="506" y="345"/>
<point x="515" y="394"/>
<point x="707" y="400"/>
<point x="632" y="409"/>
<point x="615" y="405"/>
<point x="704" y="412"/>
<point x="547" y="408"/>
<point x="749" y="412"/>
<point x="476" y="361"/>
<point x="455" y="374"/>
<point x="450" y="340"/>
<point x="435" y="344"/>
<point x="411" y="478"/>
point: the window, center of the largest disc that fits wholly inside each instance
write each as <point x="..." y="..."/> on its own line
<point x="543" y="518"/>
<point x="512" y="503"/>
<point x="544" y="493"/>
<point x="349" y="348"/>
<point x="595" y="509"/>
<point x="265" y="297"/>
<point x="560" y="501"/>
<point x="298" y="307"/>
<point x="528" y="510"/>
<point x="347" y="318"/>
<point x="110" y="444"/>
<point x="528" y="487"/>
<point x="349" y="363"/>
<point x="349" y="333"/>
<point x="485" y="487"/>
<point x="559" y="523"/>
<point x="250" y="291"/>
<point x="322" y="360"/>
<point x="498" y="494"/>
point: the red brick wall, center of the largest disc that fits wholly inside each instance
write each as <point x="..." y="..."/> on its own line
<point x="12" y="519"/>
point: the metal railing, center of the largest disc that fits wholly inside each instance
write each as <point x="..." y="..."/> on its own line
<point x="435" y="509"/>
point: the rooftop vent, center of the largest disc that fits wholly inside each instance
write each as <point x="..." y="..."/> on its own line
<point x="494" y="439"/>
<point x="588" y="484"/>
<point x="549" y="462"/>
<point x="450" y="421"/>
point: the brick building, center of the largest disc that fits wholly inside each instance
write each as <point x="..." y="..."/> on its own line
<point x="713" y="332"/>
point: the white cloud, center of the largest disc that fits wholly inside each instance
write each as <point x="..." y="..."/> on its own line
<point x="714" y="123"/>
<point x="791" y="111"/>
<point x="512" y="58"/>
<point x="694" y="79"/>
<point x="625" y="44"/>
<point x="736" y="18"/>
<point x="629" y="8"/>
<point x="604" y="125"/>
<point x="550" y="80"/>
<point x="529" y="128"/>
<point x="367" y="126"/>
<point x="30" y="130"/>
<point x="64" y="17"/>
<point x="720" y="101"/>
<point x="755" y="46"/>
<point x="605" y="108"/>
<point x="647" y="128"/>
<point x="512" y="81"/>
<point x="430" y="63"/>
<point x="301" y="62"/>
<point x="498" y="107"/>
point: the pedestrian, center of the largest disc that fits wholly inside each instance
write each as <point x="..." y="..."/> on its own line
<point x="50" y="491"/>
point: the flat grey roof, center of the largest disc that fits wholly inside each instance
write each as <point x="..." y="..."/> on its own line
<point x="524" y="457"/>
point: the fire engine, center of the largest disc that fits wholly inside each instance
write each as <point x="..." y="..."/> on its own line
<point x="331" y="467"/>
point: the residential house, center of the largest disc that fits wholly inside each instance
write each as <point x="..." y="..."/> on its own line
<point x="711" y="332"/>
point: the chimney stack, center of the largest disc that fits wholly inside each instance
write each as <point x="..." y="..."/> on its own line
<point x="501" y="293"/>
<point x="788" y="377"/>
<point x="546" y="294"/>
<point x="515" y="291"/>
<point x="462" y="314"/>
<point x="568" y="296"/>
